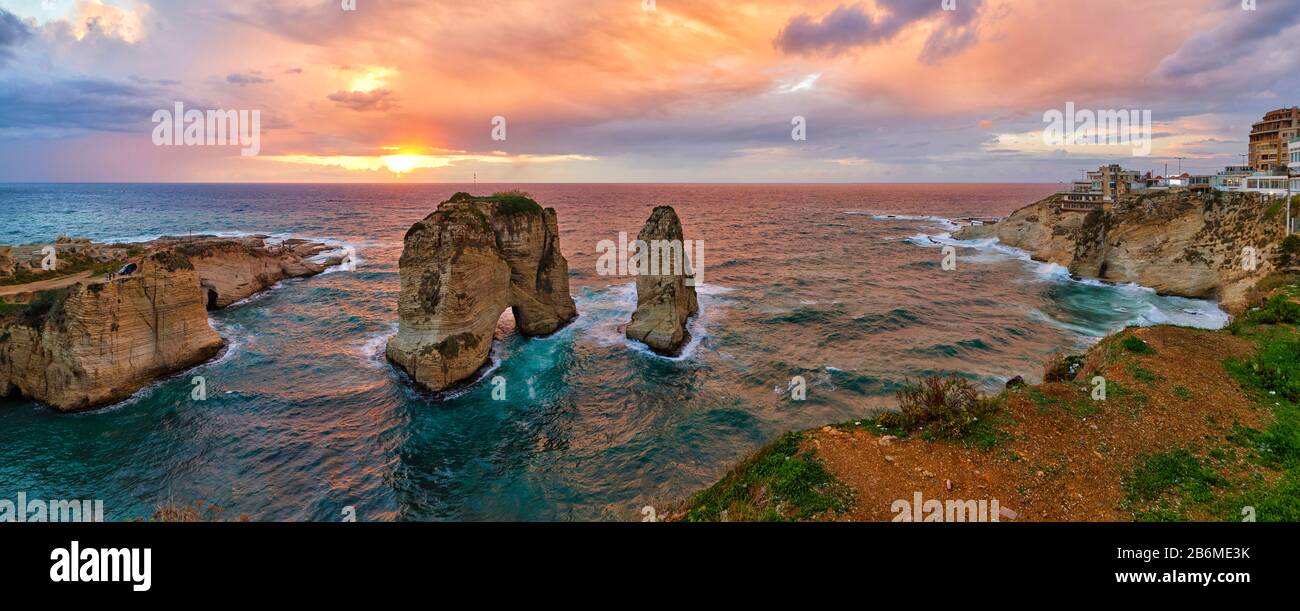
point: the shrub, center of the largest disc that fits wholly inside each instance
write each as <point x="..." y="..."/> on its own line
<point x="1134" y="344"/>
<point x="1290" y="248"/>
<point x="1277" y="310"/>
<point x="1061" y="367"/>
<point x="947" y="407"/>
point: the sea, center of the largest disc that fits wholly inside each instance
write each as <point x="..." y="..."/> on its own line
<point x="840" y="285"/>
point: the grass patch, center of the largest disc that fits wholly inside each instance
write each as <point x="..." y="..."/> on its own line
<point x="781" y="482"/>
<point x="1142" y="374"/>
<point x="1178" y="470"/>
<point x="1182" y="392"/>
<point x="1134" y="344"/>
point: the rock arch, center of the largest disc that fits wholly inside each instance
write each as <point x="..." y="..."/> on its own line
<point x="461" y="268"/>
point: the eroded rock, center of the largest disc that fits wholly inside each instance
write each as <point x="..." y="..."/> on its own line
<point x="461" y="267"/>
<point x="664" y="301"/>
<point x="92" y="344"/>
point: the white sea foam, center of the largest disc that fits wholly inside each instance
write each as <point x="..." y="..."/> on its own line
<point x="1154" y="309"/>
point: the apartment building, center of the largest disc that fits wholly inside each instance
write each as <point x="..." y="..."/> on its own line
<point x="1271" y="136"/>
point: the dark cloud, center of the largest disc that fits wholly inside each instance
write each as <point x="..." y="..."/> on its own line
<point x="248" y="78"/>
<point x="379" y="99"/>
<point x="850" y="26"/>
<point x="1240" y="34"/>
<point x="12" y="32"/>
<point x="79" y="103"/>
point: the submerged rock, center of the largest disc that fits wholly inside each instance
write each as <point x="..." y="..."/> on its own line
<point x="461" y="267"/>
<point x="664" y="301"/>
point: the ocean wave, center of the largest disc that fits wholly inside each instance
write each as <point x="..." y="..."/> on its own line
<point x="882" y="216"/>
<point x="1153" y="309"/>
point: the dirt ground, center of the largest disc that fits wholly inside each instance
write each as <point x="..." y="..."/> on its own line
<point x="1067" y="454"/>
<point x="46" y="285"/>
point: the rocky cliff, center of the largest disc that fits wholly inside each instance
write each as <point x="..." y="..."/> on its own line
<point x="7" y="263"/>
<point x="461" y="267"/>
<point x="80" y="340"/>
<point x="231" y="270"/>
<point x="1213" y="245"/>
<point x="94" y="344"/>
<point x="664" y="301"/>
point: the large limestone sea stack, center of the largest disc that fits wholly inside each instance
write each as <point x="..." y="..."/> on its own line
<point x="665" y="301"/>
<point x="461" y="267"/>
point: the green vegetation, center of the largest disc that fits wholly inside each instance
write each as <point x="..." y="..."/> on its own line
<point x="69" y="265"/>
<point x="781" y="482"/>
<point x="1289" y="251"/>
<point x="1142" y="374"/>
<point x="1061" y="367"/>
<point x="1279" y="309"/>
<point x="509" y="203"/>
<point x="945" y="408"/>
<point x="1178" y="469"/>
<point x="1134" y="344"/>
<point x="1262" y="470"/>
<point x="46" y="305"/>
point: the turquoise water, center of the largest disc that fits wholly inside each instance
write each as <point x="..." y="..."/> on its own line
<point x="304" y="417"/>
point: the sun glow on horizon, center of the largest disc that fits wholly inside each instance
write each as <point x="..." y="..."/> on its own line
<point x="402" y="163"/>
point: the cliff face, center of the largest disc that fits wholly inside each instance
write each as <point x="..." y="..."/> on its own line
<point x="1178" y="243"/>
<point x="77" y="341"/>
<point x="94" y="344"/>
<point x="664" y="302"/>
<point x="231" y="270"/>
<point x="7" y="263"/>
<point x="461" y="267"/>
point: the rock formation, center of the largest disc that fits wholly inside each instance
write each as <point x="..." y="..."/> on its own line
<point x="7" y="263"/>
<point x="664" y="302"/>
<point x="231" y="270"/>
<point x="1176" y="242"/>
<point x="93" y="344"/>
<point x="76" y="340"/>
<point x="461" y="267"/>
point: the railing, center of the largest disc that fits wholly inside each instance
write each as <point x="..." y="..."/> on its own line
<point x="1081" y="206"/>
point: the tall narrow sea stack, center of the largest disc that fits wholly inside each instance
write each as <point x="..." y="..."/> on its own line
<point x="664" y="301"/>
<point x="461" y="267"/>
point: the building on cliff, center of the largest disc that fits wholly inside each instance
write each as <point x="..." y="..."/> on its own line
<point x="1270" y="138"/>
<point x="1102" y="187"/>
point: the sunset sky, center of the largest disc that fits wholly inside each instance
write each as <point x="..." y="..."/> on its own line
<point x="616" y="91"/>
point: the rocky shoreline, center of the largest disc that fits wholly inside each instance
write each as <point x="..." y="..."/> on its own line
<point x="1197" y="401"/>
<point x="1205" y="246"/>
<point x="83" y="335"/>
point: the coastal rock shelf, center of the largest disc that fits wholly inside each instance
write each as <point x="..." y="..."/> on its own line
<point x="461" y="267"/>
<point x="76" y="338"/>
<point x="666" y="301"/>
<point x="1180" y="243"/>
